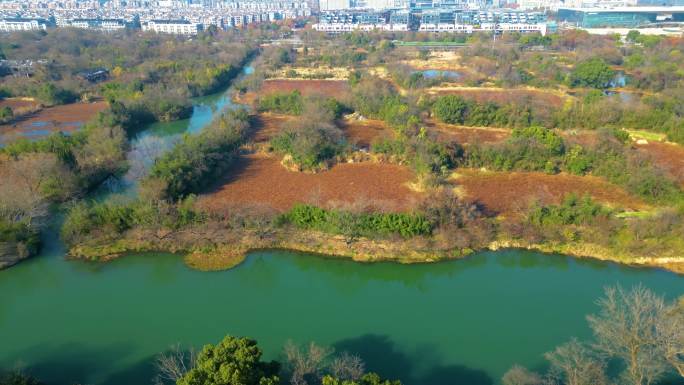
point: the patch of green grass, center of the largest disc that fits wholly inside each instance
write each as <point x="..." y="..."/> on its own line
<point x="648" y="135"/>
<point x="634" y="214"/>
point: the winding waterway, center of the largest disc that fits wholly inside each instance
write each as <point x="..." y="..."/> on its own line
<point x="457" y="322"/>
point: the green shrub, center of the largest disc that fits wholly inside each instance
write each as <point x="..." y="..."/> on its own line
<point x="455" y="109"/>
<point x="64" y="146"/>
<point x="547" y="138"/>
<point x="572" y="211"/>
<point x="197" y="159"/>
<point x="593" y="72"/>
<point x="310" y="145"/>
<point x="15" y="232"/>
<point x="6" y="114"/>
<point x="85" y="220"/>
<point x="528" y="149"/>
<point x="370" y="224"/>
<point x="284" y="103"/>
<point x="451" y="109"/>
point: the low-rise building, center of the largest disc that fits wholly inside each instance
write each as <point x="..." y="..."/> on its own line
<point x="626" y="17"/>
<point x="435" y="20"/>
<point x="19" y="24"/>
<point x="176" y="27"/>
<point x="108" y="25"/>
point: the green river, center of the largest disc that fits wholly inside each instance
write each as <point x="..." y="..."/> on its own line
<point x="458" y="322"/>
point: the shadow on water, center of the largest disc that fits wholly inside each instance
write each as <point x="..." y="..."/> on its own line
<point x="382" y="356"/>
<point x="77" y="363"/>
<point x="140" y="373"/>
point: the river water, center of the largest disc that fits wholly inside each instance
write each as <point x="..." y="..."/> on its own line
<point x="458" y="322"/>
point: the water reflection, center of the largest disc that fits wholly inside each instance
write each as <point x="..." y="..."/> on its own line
<point x="350" y="276"/>
<point x="424" y="366"/>
<point x="444" y="74"/>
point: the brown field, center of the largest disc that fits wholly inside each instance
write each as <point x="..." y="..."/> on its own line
<point x="15" y="103"/>
<point x="536" y="98"/>
<point x="511" y="192"/>
<point x="445" y="61"/>
<point x="668" y="156"/>
<point x="331" y="88"/>
<point x="363" y="133"/>
<point x="66" y="118"/>
<point x="267" y="125"/>
<point x="262" y="180"/>
<point x="468" y="135"/>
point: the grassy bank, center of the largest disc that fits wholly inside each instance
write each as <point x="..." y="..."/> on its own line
<point x="233" y="248"/>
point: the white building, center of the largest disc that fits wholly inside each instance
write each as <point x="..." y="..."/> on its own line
<point x="330" y="5"/>
<point x="526" y="5"/>
<point x="108" y="25"/>
<point x="10" y="25"/>
<point x="176" y="27"/>
<point x="112" y="25"/>
<point x="446" y="27"/>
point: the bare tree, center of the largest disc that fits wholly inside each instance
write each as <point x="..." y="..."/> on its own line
<point x="348" y="367"/>
<point x="306" y="364"/>
<point x="671" y="327"/>
<point x="143" y="153"/>
<point x="27" y="184"/>
<point x="577" y="364"/>
<point x="518" y="375"/>
<point x="173" y="365"/>
<point x="627" y="328"/>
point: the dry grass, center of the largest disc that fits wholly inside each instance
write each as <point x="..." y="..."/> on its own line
<point x="267" y="125"/>
<point x="444" y="61"/>
<point x="66" y="118"/>
<point x="537" y="98"/>
<point x="468" y="135"/>
<point x="667" y="156"/>
<point x="510" y="193"/>
<point x="338" y="73"/>
<point x="222" y="258"/>
<point x="259" y="179"/>
<point x="365" y="132"/>
<point x="328" y="88"/>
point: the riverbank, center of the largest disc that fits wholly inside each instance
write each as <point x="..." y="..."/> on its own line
<point x="230" y="248"/>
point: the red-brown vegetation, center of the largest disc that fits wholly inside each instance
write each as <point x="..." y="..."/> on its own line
<point x="535" y="98"/>
<point x="262" y="180"/>
<point x="667" y="156"/>
<point x="512" y="192"/>
<point x="364" y="132"/>
<point x="468" y="135"/>
<point x="267" y="125"/>
<point x="66" y="118"/>
<point x="329" y="88"/>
